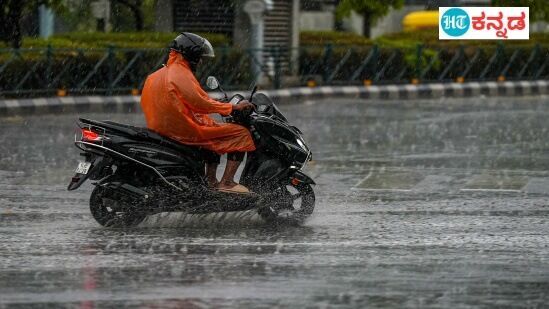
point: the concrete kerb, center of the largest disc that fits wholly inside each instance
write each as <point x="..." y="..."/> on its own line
<point x="130" y="103"/>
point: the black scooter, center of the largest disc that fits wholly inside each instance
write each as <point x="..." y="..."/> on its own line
<point x="139" y="172"/>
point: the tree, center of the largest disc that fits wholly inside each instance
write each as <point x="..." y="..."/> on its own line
<point x="136" y="7"/>
<point x="539" y="9"/>
<point x="126" y="15"/>
<point x="11" y="12"/>
<point x="371" y="10"/>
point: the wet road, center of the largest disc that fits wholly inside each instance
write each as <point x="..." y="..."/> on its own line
<point x="429" y="204"/>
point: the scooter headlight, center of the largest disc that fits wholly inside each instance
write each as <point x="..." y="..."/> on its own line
<point x="301" y="143"/>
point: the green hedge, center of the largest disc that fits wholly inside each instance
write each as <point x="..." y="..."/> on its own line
<point x="315" y="38"/>
<point x="307" y="38"/>
<point x="118" y="39"/>
<point x="407" y="40"/>
<point x="430" y="38"/>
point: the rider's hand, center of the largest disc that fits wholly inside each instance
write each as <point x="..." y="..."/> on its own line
<point x="243" y="105"/>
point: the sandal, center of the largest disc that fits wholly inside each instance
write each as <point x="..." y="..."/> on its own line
<point x="239" y="189"/>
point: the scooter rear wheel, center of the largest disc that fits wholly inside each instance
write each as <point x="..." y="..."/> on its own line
<point x="294" y="205"/>
<point x="111" y="212"/>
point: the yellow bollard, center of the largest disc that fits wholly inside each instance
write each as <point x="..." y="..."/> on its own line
<point x="415" y="81"/>
<point x="61" y="92"/>
<point x="501" y="78"/>
<point x="460" y="79"/>
<point x="367" y="82"/>
<point x="311" y="83"/>
<point x="135" y="91"/>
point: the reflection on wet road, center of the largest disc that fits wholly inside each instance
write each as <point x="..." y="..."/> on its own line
<point x="439" y="203"/>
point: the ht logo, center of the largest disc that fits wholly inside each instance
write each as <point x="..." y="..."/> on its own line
<point x="455" y="22"/>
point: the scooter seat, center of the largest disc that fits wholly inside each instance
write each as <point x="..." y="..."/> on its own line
<point x="146" y="134"/>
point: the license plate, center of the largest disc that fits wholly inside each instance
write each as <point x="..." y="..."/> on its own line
<point x="83" y="167"/>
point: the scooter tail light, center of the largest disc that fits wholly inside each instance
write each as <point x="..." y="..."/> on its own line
<point x="90" y="136"/>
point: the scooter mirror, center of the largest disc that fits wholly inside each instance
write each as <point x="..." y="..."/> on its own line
<point x="212" y="82"/>
<point x="253" y="92"/>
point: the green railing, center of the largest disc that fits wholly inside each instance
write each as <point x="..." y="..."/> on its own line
<point x="52" y="71"/>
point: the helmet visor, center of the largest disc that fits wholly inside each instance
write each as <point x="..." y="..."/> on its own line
<point x="207" y="49"/>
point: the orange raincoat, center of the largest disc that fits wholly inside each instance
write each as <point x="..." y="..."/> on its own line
<point x="177" y="107"/>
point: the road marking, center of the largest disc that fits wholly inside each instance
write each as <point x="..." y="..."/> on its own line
<point x="380" y="190"/>
<point x="370" y="173"/>
<point x="490" y="190"/>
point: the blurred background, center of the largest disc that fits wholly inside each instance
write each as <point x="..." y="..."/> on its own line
<point x="54" y="47"/>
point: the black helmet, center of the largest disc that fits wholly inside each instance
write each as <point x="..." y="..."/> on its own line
<point x="192" y="47"/>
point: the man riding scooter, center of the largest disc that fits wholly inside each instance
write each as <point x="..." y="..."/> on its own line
<point x="177" y="107"/>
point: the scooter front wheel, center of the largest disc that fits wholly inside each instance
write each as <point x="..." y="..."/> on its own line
<point x="109" y="211"/>
<point x="293" y="205"/>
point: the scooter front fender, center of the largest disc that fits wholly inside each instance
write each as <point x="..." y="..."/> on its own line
<point x="303" y="178"/>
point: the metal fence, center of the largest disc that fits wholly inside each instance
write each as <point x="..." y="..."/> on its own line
<point x="58" y="71"/>
<point x="425" y="64"/>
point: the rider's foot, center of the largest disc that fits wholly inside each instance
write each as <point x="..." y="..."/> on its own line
<point x="232" y="187"/>
<point x="212" y="183"/>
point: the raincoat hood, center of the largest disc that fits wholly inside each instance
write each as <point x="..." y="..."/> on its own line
<point x="176" y="57"/>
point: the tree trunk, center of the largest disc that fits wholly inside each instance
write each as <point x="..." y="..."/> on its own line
<point x="14" y="15"/>
<point x="138" y="15"/>
<point x="4" y="25"/>
<point x="367" y="24"/>
<point x="10" y="13"/>
<point x="100" y="25"/>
